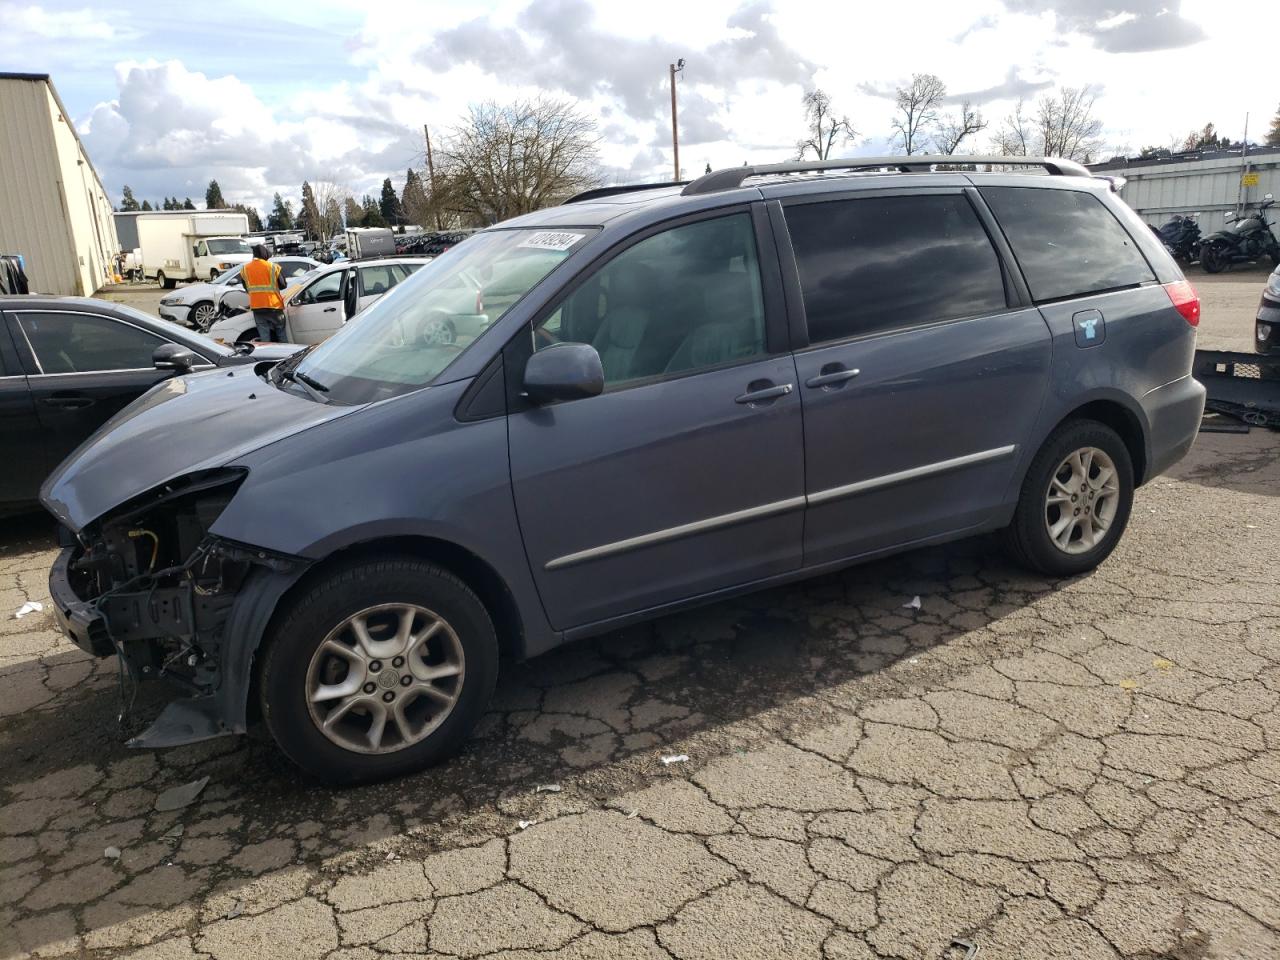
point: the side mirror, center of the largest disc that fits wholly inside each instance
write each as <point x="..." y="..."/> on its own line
<point x="563" y="371"/>
<point x="175" y="357"/>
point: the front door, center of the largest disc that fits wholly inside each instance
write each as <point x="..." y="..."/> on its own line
<point x="686" y="475"/>
<point x="87" y="367"/>
<point x="923" y="376"/>
<point x="316" y="311"/>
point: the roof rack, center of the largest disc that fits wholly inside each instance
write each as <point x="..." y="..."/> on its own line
<point x="733" y="177"/>
<point x="599" y="192"/>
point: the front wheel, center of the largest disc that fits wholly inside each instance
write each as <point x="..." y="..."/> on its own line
<point x="1075" y="500"/>
<point x="203" y="314"/>
<point x="1212" y="258"/>
<point x="382" y="668"/>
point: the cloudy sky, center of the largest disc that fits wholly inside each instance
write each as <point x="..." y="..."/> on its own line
<point x="263" y="96"/>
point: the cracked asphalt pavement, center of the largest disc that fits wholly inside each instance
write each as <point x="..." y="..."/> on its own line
<point x="1072" y="769"/>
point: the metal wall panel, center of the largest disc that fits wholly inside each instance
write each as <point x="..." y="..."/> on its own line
<point x="1207" y="187"/>
<point x="54" y="209"/>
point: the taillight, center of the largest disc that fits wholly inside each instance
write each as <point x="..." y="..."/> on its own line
<point x="1185" y="300"/>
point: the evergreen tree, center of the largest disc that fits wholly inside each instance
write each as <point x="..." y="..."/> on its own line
<point x="127" y="201"/>
<point x="255" y="221"/>
<point x="213" y="197"/>
<point x="413" y="200"/>
<point x="352" y="212"/>
<point x="187" y="204"/>
<point x="146" y="206"/>
<point x="309" y="215"/>
<point x="1273" y="135"/>
<point x="372" y="213"/>
<point x="389" y="204"/>
<point x="281" y="216"/>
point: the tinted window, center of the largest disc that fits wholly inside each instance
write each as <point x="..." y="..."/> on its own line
<point x="1067" y="242"/>
<point x="79" y="343"/>
<point x="681" y="300"/>
<point x="879" y="263"/>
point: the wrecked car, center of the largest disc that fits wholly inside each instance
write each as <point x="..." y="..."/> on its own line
<point x="677" y="393"/>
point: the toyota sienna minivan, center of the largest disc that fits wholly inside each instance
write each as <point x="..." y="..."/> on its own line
<point x="664" y="396"/>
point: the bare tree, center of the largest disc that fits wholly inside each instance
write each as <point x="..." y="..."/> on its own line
<point x="329" y="196"/>
<point x="1063" y="126"/>
<point x="509" y="159"/>
<point x="917" y="105"/>
<point x="1014" y="137"/>
<point x="824" y="127"/>
<point x="1067" y="126"/>
<point x="953" y="128"/>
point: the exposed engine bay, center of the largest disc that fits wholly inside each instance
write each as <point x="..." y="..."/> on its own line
<point x="150" y="583"/>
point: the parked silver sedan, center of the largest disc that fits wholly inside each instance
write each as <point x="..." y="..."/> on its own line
<point x="197" y="305"/>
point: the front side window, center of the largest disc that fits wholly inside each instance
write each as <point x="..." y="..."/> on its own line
<point x="883" y="263"/>
<point x="80" y="343"/>
<point x="1067" y="242"/>
<point x="324" y="290"/>
<point x="201" y="249"/>
<point x="406" y="338"/>
<point x="681" y="300"/>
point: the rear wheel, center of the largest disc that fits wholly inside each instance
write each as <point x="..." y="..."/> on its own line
<point x="165" y="281"/>
<point x="1075" y="500"/>
<point x="382" y="668"/>
<point x="1212" y="258"/>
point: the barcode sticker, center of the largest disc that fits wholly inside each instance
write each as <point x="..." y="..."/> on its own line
<point x="552" y="240"/>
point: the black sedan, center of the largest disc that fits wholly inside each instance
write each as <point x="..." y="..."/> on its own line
<point x="67" y="364"/>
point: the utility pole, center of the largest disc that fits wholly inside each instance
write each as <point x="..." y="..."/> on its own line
<point x="1244" y="166"/>
<point x="431" y="174"/>
<point x="676" y="67"/>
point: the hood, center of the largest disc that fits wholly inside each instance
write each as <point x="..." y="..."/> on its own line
<point x="182" y="425"/>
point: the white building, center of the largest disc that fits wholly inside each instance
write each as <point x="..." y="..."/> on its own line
<point x="53" y="207"/>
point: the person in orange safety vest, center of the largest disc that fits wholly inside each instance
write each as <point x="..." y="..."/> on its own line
<point x="264" y="280"/>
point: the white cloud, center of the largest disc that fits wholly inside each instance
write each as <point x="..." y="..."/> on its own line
<point x="84" y="24"/>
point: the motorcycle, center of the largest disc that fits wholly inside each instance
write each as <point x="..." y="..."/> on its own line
<point x="1181" y="237"/>
<point x="1247" y="238"/>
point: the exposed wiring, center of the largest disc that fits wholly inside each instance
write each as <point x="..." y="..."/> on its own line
<point x="155" y="545"/>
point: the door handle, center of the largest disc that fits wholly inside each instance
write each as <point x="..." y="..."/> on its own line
<point x="763" y="394"/>
<point x="69" y="402"/>
<point x="831" y="377"/>
<point x="330" y="309"/>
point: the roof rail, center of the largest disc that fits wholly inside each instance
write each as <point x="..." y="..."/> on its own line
<point x="599" y="192"/>
<point x="733" y="177"/>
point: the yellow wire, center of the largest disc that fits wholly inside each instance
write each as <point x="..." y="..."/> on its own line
<point x="155" y="544"/>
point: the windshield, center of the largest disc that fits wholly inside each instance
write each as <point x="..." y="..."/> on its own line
<point x="228" y="245"/>
<point x="407" y="337"/>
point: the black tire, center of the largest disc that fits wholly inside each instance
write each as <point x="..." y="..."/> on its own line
<point x="199" y="323"/>
<point x="248" y="336"/>
<point x="1212" y="259"/>
<point x="1028" y="536"/>
<point x="301" y="629"/>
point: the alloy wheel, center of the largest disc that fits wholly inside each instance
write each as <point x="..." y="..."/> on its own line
<point x="385" y="678"/>
<point x="1081" y="501"/>
<point x="202" y="315"/>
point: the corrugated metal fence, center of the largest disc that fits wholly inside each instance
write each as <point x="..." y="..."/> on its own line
<point x="1208" y="187"/>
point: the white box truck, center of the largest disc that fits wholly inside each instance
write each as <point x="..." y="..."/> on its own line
<point x="185" y="245"/>
<point x="363" y="242"/>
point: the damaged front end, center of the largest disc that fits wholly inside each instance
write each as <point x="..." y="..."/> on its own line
<point x="150" y="583"/>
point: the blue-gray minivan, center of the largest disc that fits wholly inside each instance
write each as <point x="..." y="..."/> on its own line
<point x="652" y="398"/>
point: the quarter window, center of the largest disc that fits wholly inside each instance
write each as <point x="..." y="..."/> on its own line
<point x="884" y="263"/>
<point x="1066" y="241"/>
<point x="375" y="281"/>
<point x="80" y="343"/>
<point x="682" y="300"/>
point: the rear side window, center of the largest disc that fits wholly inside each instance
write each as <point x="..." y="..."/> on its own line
<point x="884" y="263"/>
<point x="1067" y="242"/>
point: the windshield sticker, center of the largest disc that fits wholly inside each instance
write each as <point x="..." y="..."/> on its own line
<point x="552" y="240"/>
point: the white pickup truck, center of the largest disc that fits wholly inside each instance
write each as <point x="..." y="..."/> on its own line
<point x="182" y="245"/>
